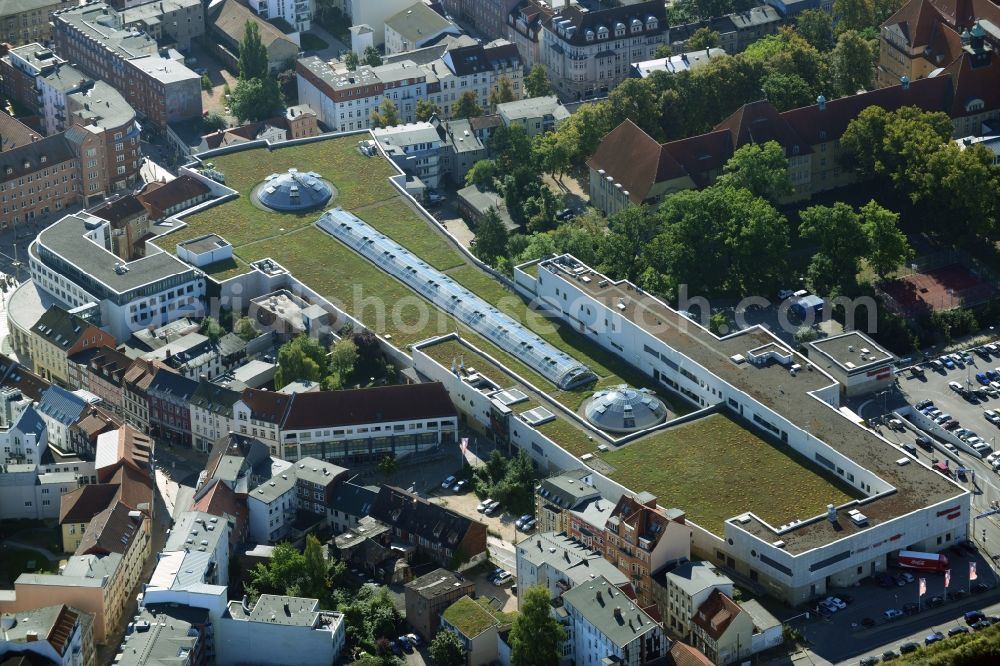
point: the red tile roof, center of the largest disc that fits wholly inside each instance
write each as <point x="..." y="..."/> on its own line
<point x="268" y="406"/>
<point x="759" y="122"/>
<point x="381" y="404"/>
<point x="178" y="191"/>
<point x="716" y="614"/>
<point x="82" y="504"/>
<point x="970" y="83"/>
<point x="682" y="654"/>
<point x="635" y="160"/>
<point x="218" y="499"/>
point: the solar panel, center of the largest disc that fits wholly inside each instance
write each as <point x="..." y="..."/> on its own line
<point x="537" y="416"/>
<point x="509" y="335"/>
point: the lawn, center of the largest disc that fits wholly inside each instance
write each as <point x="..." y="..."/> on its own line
<point x="15" y="561"/>
<point x="397" y="220"/>
<point x="360" y="181"/>
<point x="474" y="616"/>
<point x="716" y="468"/>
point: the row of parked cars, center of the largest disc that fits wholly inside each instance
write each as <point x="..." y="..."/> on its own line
<point x="945" y="420"/>
<point x="976" y="621"/>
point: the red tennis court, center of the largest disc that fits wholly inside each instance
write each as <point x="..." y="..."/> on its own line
<point x="940" y="289"/>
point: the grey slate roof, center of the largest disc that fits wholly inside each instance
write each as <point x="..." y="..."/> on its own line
<point x="597" y="603"/>
<point x="353" y="499"/>
<point x="61" y="405"/>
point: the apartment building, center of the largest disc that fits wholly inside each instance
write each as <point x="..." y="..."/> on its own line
<point x="608" y="627"/>
<point x="72" y="261"/>
<point x="682" y="587"/>
<point x="477" y="624"/>
<point x="135" y="393"/>
<point x="211" y="413"/>
<point x="101" y="371"/>
<point x="28" y="21"/>
<point x="415" y="27"/>
<point x="559" y="563"/>
<point x="736" y="31"/>
<point x="557" y="495"/>
<point x="440" y="533"/>
<point x="60" y="409"/>
<point x="58" y="335"/>
<point x="228" y="21"/>
<point x="169" y="406"/>
<point x="536" y="115"/>
<point x="170" y="22"/>
<point x="722" y="630"/>
<point x="271" y="507"/>
<point x="297" y="13"/>
<point x="59" y="634"/>
<point x="40" y="80"/>
<point x="96" y="39"/>
<point x="428" y="596"/>
<point x="345" y="100"/>
<point x="488" y="17"/>
<point x="524" y="28"/>
<point x="587" y="53"/>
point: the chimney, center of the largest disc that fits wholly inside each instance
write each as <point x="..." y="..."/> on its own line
<point x="905" y="82"/>
<point x="821" y="103"/>
<point x="831" y="513"/>
<point x="618" y="613"/>
<point x="31" y="636"/>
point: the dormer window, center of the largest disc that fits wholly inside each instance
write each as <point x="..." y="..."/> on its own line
<point x="619" y="29"/>
<point x="636" y="26"/>
<point x="651" y="23"/>
<point x="43" y="159"/>
<point x="590" y="35"/>
<point x="602" y="32"/>
<point x="975" y="105"/>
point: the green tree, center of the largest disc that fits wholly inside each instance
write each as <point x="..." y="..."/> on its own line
<point x="483" y="173"/>
<point x="511" y="148"/>
<point x="786" y="91"/>
<point x="246" y="328"/>
<point x="342" y="358"/>
<point x="371" y="56"/>
<point x="622" y="248"/>
<point x="663" y="51"/>
<point x="206" y="83"/>
<point x="387" y="466"/>
<point x="213" y="122"/>
<point x="853" y="14"/>
<point x="253" y="54"/>
<point x="211" y="329"/>
<point x="351" y="60"/>
<point x="760" y="168"/>
<point x="536" y="83"/>
<point x="816" y="27"/>
<point x="838" y="232"/>
<point x="638" y="101"/>
<point x="707" y="9"/>
<point x="426" y="109"/>
<point x="536" y="637"/>
<point x="586" y="128"/>
<point x="255" y="99"/>
<point x="887" y="244"/>
<point x="503" y="93"/>
<point x="702" y="38"/>
<point x="490" y="243"/>
<point x="300" y="359"/>
<point x="316" y="569"/>
<point x="553" y="151"/>
<point x="718" y="323"/>
<point x="852" y="63"/>
<point x="447" y="650"/>
<point x="387" y="115"/>
<point x="467" y="106"/>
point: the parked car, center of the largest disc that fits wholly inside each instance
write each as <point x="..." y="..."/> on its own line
<point x="917" y="371"/>
<point x="460" y="486"/>
<point x="785" y="293"/>
<point x="492" y="508"/>
<point x="485" y="504"/>
<point x="979" y="588"/>
<point x="982" y="624"/>
<point x="869" y="661"/>
<point x="923" y="404"/>
<point x="414" y="639"/>
<point x="889" y="655"/>
<point x="835" y="602"/>
<point x="522" y="520"/>
<point x="565" y="214"/>
<point x="982" y="378"/>
<point x="892" y="613"/>
<point x="974" y="616"/>
<point x="448" y="482"/>
<point x="947" y="363"/>
<point x="955" y="631"/>
<point x="405" y="644"/>
<point x="910" y="608"/>
<point x="530" y="525"/>
<point x="954" y="386"/>
<point x="931" y="639"/>
<point x="907" y="576"/>
<point x="907" y="648"/>
<point x="924" y="443"/>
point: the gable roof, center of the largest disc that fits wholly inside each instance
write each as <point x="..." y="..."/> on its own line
<point x="402" y="402"/>
<point x="166" y="382"/>
<point x="17" y="376"/>
<point x="59" y="404"/>
<point x="60" y="328"/>
<point x="716" y="614"/>
<point x="35" y="156"/>
<point x="14" y="133"/>
<point x="218" y="499"/>
<point x="82" y="504"/>
<point x="110" y="531"/>
<point x="634" y="159"/>
<point x="434" y="523"/>
<point x="269" y="406"/>
<point x="231" y="20"/>
<point x="105" y="362"/>
<point x="759" y="122"/>
<point x="682" y="654"/>
<point x="119" y="210"/>
<point x="168" y="195"/>
<point x="973" y="79"/>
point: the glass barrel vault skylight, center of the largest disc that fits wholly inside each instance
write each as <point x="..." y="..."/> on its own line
<point x="553" y="364"/>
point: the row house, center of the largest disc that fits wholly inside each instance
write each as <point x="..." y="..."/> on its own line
<point x="135" y="393"/>
<point x="101" y="371"/>
<point x="169" y="406"/>
<point x="524" y="28"/>
<point x="92" y="423"/>
<point x="60" y="409"/>
<point x="640" y="538"/>
<point x="26" y="22"/>
<point x="211" y="413"/>
<point x="486" y="16"/>
<point x="445" y="536"/>
<point x="58" y="335"/>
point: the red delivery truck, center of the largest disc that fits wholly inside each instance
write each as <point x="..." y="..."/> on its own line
<point x="911" y="559"/>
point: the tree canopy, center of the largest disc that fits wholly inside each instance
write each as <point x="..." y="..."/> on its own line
<point x="536" y="637"/>
<point x="253" y="54"/>
<point x="467" y="106"/>
<point x="536" y="83"/>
